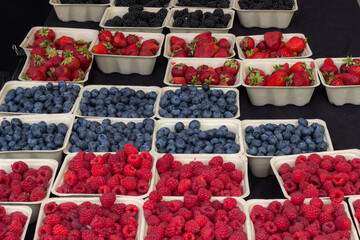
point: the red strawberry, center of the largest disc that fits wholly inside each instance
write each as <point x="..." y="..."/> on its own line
<point x="223" y="43"/>
<point x="131" y="39"/>
<point x="178" y="80"/>
<point x="179" y="70"/>
<point x="71" y="62"/>
<point x="205" y="49"/>
<point x="177" y="43"/>
<point x="132" y="49"/>
<point x="328" y="67"/>
<point x="273" y="40"/>
<point x="218" y="70"/>
<point x="51" y="52"/>
<point x="204" y="36"/>
<point x="258" y="55"/>
<point x="223" y="84"/>
<point x="81" y="44"/>
<point x="62" y="71"/>
<point x="298" y="67"/>
<point x="299" y="79"/>
<point x="231" y="66"/>
<point x="247" y="43"/>
<point x="335" y="81"/>
<point x="262" y="45"/>
<point x="202" y="67"/>
<point x="191" y="76"/>
<point x="145" y="52"/>
<point x="42" y="42"/>
<point x="53" y="62"/>
<point x="222" y="53"/>
<point x="355" y="69"/>
<point x="179" y="53"/>
<point x="285" y="52"/>
<point x="105" y="36"/>
<point x="255" y="77"/>
<point x="34" y="74"/>
<point x="84" y="56"/>
<point x="227" y="77"/>
<point x="38" y="51"/>
<point x="45" y="32"/>
<point x="349" y="78"/>
<point x="61" y="42"/>
<point x="37" y="61"/>
<point x="150" y="45"/>
<point x="78" y="75"/>
<point x="282" y="67"/>
<point x="119" y="40"/>
<point x="278" y="78"/>
<point x="209" y="77"/>
<point x="69" y="47"/>
<point x="296" y="44"/>
<point x="100" y="49"/>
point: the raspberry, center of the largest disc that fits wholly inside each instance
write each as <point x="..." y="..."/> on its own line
<point x="86" y="216"/>
<point x="204" y="195"/>
<point x="45" y="171"/>
<point x="129" y="183"/>
<point x="37" y="194"/>
<point x="192" y="226"/>
<point x="222" y="230"/>
<point x="19" y="167"/>
<point x="207" y="233"/>
<point x="297" y="198"/>
<point x="336" y="195"/>
<point x="76" y="165"/>
<point x="270" y="227"/>
<point x="236" y="175"/>
<point x="229" y="166"/>
<point x="349" y="189"/>
<point x="142" y="186"/>
<point x="284" y="168"/>
<point x="175" y="205"/>
<point x="149" y="205"/>
<point x="314" y="158"/>
<point x="29" y="184"/>
<point x="155" y="196"/>
<point x="190" y="201"/>
<point x="300" y="159"/>
<point x="282" y="223"/>
<point x="310" y="191"/>
<point x="343" y="167"/>
<point x="261" y="234"/>
<point x="172" y="184"/>
<point x="130" y="149"/>
<point x="107" y="199"/>
<point x="290" y="212"/>
<point x="216" y="161"/>
<point x="165" y="191"/>
<point x="45" y="230"/>
<point x="290" y="186"/>
<point x="298" y="176"/>
<point x="146" y="163"/>
<point x="188" y="236"/>
<point x="207" y="211"/>
<point x="144" y="173"/>
<point x="311" y="213"/>
<point x="275" y="207"/>
<point x="184" y="185"/>
<point x="164" y="163"/>
<point x="186" y="172"/>
<point x="134" y="160"/>
<point x="70" y="177"/>
<point x="97" y="160"/>
<point x="229" y="203"/>
<point x="343" y="223"/>
<point x="355" y="163"/>
<point x="97" y="222"/>
<point x="129" y="231"/>
<point x="59" y="229"/>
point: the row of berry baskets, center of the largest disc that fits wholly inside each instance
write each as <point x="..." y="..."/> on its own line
<point x="264" y="18"/>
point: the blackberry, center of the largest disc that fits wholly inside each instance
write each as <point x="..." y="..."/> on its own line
<point x="152" y="22"/>
<point x="117" y="20"/>
<point x="161" y="14"/>
<point x="178" y="14"/>
<point x="194" y="23"/>
<point x="218" y="12"/>
<point x="193" y="15"/>
<point x="136" y="8"/>
<point x="209" y="23"/>
<point x="289" y="3"/>
<point x="267" y="4"/>
<point x="145" y="15"/>
<point x="207" y="15"/>
<point x="211" y="4"/>
<point x="158" y="22"/>
<point x="164" y="2"/>
<point x="127" y="22"/>
<point x="110" y="23"/>
<point x="84" y="1"/>
<point x="214" y="18"/>
<point x="153" y="3"/>
<point x="178" y="22"/>
<point x="224" y="4"/>
<point x="220" y="25"/>
<point x="186" y="24"/>
<point x="199" y="14"/>
<point x="142" y="23"/>
<point x="226" y="18"/>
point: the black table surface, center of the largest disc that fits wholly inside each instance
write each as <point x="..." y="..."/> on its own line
<point x="332" y="29"/>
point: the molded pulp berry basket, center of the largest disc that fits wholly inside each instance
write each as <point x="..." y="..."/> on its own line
<point x="241" y="204"/>
<point x="67" y="119"/>
<point x="174" y="2"/>
<point x="188" y="37"/>
<point x="146" y="89"/>
<point x="278" y="96"/>
<point x="260" y="165"/>
<point x="214" y="63"/>
<point x="225" y="90"/>
<point x="265" y="18"/>
<point x="239" y="160"/>
<point x="59" y="181"/>
<point x="286" y="37"/>
<point x="339" y="95"/>
<point x="79" y="12"/>
<point x="15" y="84"/>
<point x="112" y="12"/>
<point x="170" y="21"/>
<point x="233" y="125"/>
<point x="25" y="210"/>
<point x="123" y="64"/>
<point x="137" y="202"/>
<point x="5" y="164"/>
<point x="351" y="201"/>
<point x="265" y="202"/>
<point x="88" y="35"/>
<point x="112" y="120"/>
<point x="276" y="162"/>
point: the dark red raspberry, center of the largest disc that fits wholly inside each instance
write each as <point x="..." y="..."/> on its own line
<point x="129" y="183"/>
<point x="19" y="167"/>
<point x="336" y="195"/>
<point x="130" y="149"/>
<point x="59" y="229"/>
<point x="216" y="161"/>
<point x="144" y="173"/>
<point x="236" y="175"/>
<point x="297" y="198"/>
<point x="164" y="163"/>
<point x="310" y="212"/>
<point x="184" y="185"/>
<point x="343" y="223"/>
<point x="310" y="191"/>
<point x="71" y="178"/>
<point x="192" y="226"/>
<point x="222" y="230"/>
<point x="284" y="168"/>
<point x="204" y="195"/>
<point x="290" y="186"/>
<point x="134" y="160"/>
<point x="298" y="176"/>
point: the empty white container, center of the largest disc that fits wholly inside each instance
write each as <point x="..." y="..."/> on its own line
<point x="265" y="18"/>
<point x="339" y="95"/>
<point x="25" y="210"/>
<point x="173" y="3"/>
<point x="260" y="165"/>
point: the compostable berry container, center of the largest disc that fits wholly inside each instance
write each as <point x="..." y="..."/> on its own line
<point x="78" y="201"/>
<point x="260" y="165"/>
<point x="276" y="162"/>
<point x="173" y="3"/>
<point x="112" y="12"/>
<point x="188" y="37"/>
<point x="265" y="18"/>
<point x="27" y="211"/>
<point x="173" y="29"/>
<point x="286" y="36"/>
<point x="67" y="119"/>
<point x="278" y="95"/>
<point x="79" y="12"/>
<point x="339" y="95"/>
<point x="123" y="64"/>
<point x="146" y="89"/>
<point x="15" y="84"/>
<point x="5" y="164"/>
<point x="351" y="201"/>
<point x="214" y="63"/>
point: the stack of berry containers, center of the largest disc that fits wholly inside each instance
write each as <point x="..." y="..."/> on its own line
<point x="18" y="214"/>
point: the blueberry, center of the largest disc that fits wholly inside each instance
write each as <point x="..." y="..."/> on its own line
<point x="279" y="153"/>
<point x="286" y="150"/>
<point x="290" y="128"/>
<point x="194" y="124"/>
<point x="302" y="145"/>
<point x="296" y="150"/>
<point x="252" y="151"/>
<point x="262" y="151"/>
<point x="170" y="148"/>
<point x="295" y="139"/>
<point x="303" y="122"/>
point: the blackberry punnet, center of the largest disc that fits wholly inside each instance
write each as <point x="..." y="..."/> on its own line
<point x="204" y="3"/>
<point x="84" y="1"/>
<point x="145" y="3"/>
<point x="198" y="19"/>
<point x="267" y="4"/>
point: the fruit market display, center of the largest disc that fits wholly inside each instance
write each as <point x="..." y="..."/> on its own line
<point x="202" y="3"/>
<point x="145" y="3"/>
<point x="224" y="75"/>
<point x="296" y="75"/>
<point x="217" y="178"/>
<point x="203" y="45"/>
<point x="84" y="1"/>
<point x="266" y="4"/>
<point x="191" y="102"/>
<point x="283" y="139"/>
<point x="200" y="19"/>
<point x="272" y="46"/>
<point x="193" y="218"/>
<point x="123" y="173"/>
<point x="12" y="224"/>
<point x="138" y="17"/>
<point x="347" y="74"/>
<point x="119" y="44"/>
<point x="194" y="140"/>
<point x="107" y="136"/>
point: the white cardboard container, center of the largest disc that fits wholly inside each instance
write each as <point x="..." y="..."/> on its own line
<point x="278" y="96"/>
<point x="14" y="84"/>
<point x="138" y="203"/>
<point x="67" y="119"/>
<point x="225" y="90"/>
<point x="112" y="12"/>
<point x="233" y="125"/>
<point x="265" y="18"/>
<point x="339" y="95"/>
<point x="214" y="63"/>
<point x="260" y="165"/>
<point x="79" y="12"/>
<point x="112" y="120"/>
<point x="59" y="181"/>
<point x="351" y="201"/>
<point x="34" y="163"/>
<point x="276" y="162"/>
<point x="188" y="37"/>
<point x="265" y="203"/>
<point x="146" y="89"/>
<point x="88" y="35"/>
<point x="240" y="203"/>
<point x="239" y="160"/>
<point x="286" y="37"/>
<point x="130" y="64"/>
<point x="172" y="29"/>
<point x="25" y="210"/>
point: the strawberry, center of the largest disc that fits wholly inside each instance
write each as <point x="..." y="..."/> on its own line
<point x="205" y="49"/>
<point x="62" y="71"/>
<point x="69" y="47"/>
<point x="179" y="53"/>
<point x="132" y="49"/>
<point x="84" y="56"/>
<point x="71" y="62"/>
<point x="179" y="70"/>
<point x="42" y="42"/>
<point x="38" y="51"/>
<point x="227" y="77"/>
<point x="285" y="52"/>
<point x="222" y="53"/>
<point x="100" y="49"/>
<point x="355" y="69"/>
<point x="61" y="42"/>
<point x="204" y="36"/>
<point x="178" y="42"/>
<point x="258" y="55"/>
<point x="223" y="84"/>
<point x="328" y="67"/>
<point x="278" y="78"/>
<point x="247" y="43"/>
<point x="209" y="77"/>
<point x="299" y="79"/>
<point x="231" y="66"/>
<point x="34" y="74"/>
<point x="296" y="44"/>
<point x="145" y="52"/>
<point x="51" y="52"/>
<point x="81" y="44"/>
<point x="202" y="67"/>
<point x="255" y="77"/>
<point x="345" y="67"/>
<point x="349" y="78"/>
<point x="150" y="45"/>
<point x="335" y="81"/>
<point x="78" y="75"/>
<point x="191" y="76"/>
<point x="223" y="43"/>
<point x="273" y="40"/>
<point x="218" y="70"/>
<point x="37" y="61"/>
<point x="131" y="39"/>
<point x="45" y="32"/>
<point x="298" y="67"/>
<point x="178" y="80"/>
<point x="105" y="36"/>
<point x="63" y="78"/>
<point x="53" y="62"/>
<point x="262" y="45"/>
<point x="282" y="67"/>
<point x="119" y="40"/>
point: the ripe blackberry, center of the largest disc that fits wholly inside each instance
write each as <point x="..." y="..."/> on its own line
<point x="211" y="4"/>
<point x="194" y="23"/>
<point x="209" y="23"/>
<point x="218" y="12"/>
<point x="136" y="8"/>
<point x="161" y="14"/>
<point x="145" y="15"/>
<point x="178" y="22"/>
